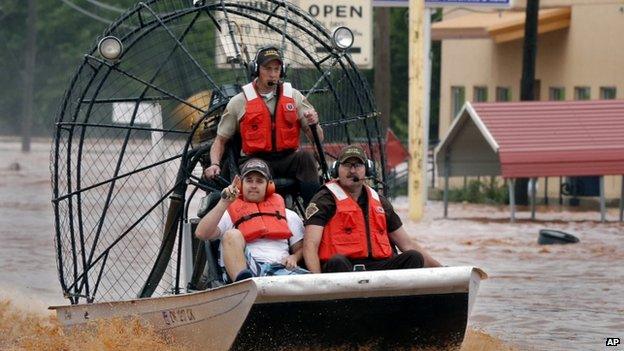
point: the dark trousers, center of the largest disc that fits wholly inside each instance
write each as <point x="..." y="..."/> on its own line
<point x="405" y="260"/>
<point x="299" y="165"/>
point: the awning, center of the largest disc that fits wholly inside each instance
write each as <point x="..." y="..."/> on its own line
<point x="535" y="139"/>
<point x="500" y="26"/>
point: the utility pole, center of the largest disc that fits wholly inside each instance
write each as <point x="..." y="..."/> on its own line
<point x="527" y="85"/>
<point x="383" y="77"/>
<point x="28" y="76"/>
<point x="416" y="181"/>
<point x="527" y="90"/>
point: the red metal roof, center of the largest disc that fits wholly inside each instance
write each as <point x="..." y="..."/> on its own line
<point x="567" y="138"/>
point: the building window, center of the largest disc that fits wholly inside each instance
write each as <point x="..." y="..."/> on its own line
<point x="503" y="94"/>
<point x="458" y="97"/>
<point x="607" y="93"/>
<point x="480" y="94"/>
<point x="556" y="94"/>
<point x="582" y="93"/>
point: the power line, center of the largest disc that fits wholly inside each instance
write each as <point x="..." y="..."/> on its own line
<point x="86" y="13"/>
<point x="106" y="6"/>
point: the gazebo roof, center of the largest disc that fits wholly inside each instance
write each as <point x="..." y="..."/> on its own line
<point x="535" y="139"/>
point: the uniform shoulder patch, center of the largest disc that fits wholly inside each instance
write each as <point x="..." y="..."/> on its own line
<point x="311" y="210"/>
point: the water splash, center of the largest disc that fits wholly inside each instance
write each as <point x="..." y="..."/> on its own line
<point x="22" y="330"/>
<point x="25" y="329"/>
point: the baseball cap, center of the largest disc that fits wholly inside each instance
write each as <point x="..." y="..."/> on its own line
<point x="352" y="151"/>
<point x="268" y="54"/>
<point x="256" y="165"/>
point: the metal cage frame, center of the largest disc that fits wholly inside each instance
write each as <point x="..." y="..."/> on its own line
<point x="75" y="259"/>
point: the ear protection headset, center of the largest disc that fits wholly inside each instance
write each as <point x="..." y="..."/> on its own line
<point x="270" y="188"/>
<point x="254" y="68"/>
<point x="368" y="165"/>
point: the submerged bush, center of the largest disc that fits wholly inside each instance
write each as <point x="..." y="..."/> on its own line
<point x="480" y="193"/>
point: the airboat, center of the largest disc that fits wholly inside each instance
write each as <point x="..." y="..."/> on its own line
<point x="133" y="129"/>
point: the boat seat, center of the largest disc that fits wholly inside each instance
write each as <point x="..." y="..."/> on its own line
<point x="285" y="186"/>
<point x="207" y="273"/>
<point x="289" y="189"/>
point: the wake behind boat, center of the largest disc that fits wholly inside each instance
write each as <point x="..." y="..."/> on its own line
<point x="378" y="309"/>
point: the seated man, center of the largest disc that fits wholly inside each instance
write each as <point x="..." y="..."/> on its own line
<point x="348" y="223"/>
<point x="269" y="115"/>
<point x="255" y="228"/>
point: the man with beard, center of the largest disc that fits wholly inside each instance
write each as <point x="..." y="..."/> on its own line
<point x="348" y="224"/>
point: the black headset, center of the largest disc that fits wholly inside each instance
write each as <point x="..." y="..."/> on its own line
<point x="254" y="68"/>
<point x="368" y="165"/>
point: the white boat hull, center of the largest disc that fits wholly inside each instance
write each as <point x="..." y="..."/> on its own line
<point x="380" y="309"/>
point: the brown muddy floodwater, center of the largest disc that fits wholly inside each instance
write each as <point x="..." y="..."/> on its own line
<point x="567" y="297"/>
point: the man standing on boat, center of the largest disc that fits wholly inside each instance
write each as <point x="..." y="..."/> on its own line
<point x="348" y="224"/>
<point x="256" y="229"/>
<point x="269" y="115"/>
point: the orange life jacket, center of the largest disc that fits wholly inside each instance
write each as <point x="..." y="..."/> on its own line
<point x="347" y="232"/>
<point x="263" y="132"/>
<point x="266" y="219"/>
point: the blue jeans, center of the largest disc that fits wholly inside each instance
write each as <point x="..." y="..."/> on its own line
<point x="264" y="269"/>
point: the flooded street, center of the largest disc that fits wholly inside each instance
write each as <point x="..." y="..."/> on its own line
<point x="536" y="298"/>
<point x="553" y="297"/>
<point x="27" y="255"/>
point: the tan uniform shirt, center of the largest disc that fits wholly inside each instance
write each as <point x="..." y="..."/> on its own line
<point x="235" y="109"/>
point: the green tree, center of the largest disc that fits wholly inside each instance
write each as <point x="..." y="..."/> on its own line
<point x="399" y="60"/>
<point x="63" y="36"/>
